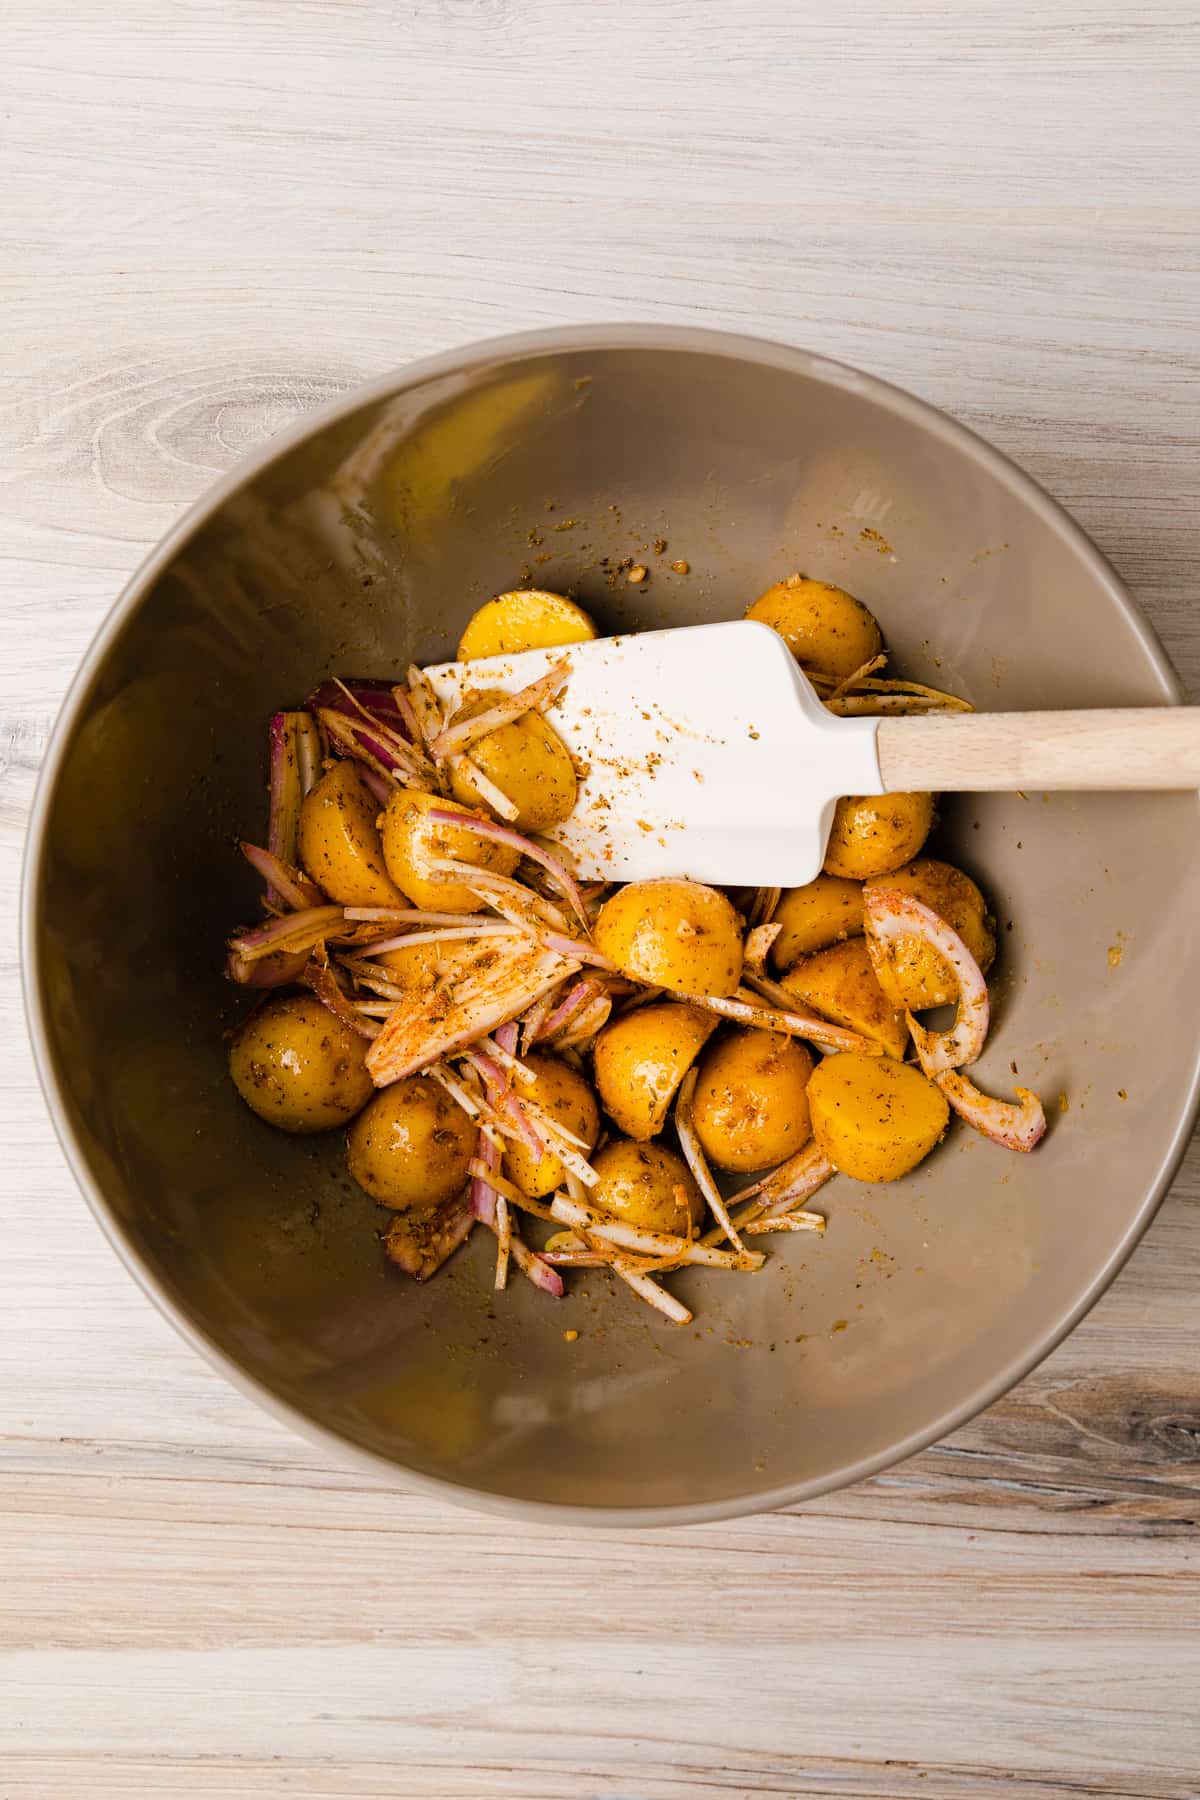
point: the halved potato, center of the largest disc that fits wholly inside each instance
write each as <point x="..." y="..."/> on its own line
<point x="750" y="1108"/>
<point x="411" y="1146"/>
<point x="527" y="619"/>
<point x="912" y="974"/>
<point x="411" y="844"/>
<point x="339" y="841"/>
<point x="566" y="1096"/>
<point x="641" y="1059"/>
<point x="298" y="1067"/>
<point x="875" y="1119"/>
<point x="527" y="761"/>
<point x="673" y="934"/>
<point x="839" y="982"/>
<point x="822" y="912"/>
<point x="646" y="1185"/>
<point x="872" y="834"/>
<point x="825" y="628"/>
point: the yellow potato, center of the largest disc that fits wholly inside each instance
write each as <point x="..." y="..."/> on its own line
<point x="912" y="974"/>
<point x="298" y="1067"/>
<point x="820" y="913"/>
<point x="526" y="760"/>
<point x="566" y="1096"/>
<point x="411" y="843"/>
<point x="673" y="934"/>
<point x="840" y="983"/>
<point x="874" y="1119"/>
<point x="873" y="834"/>
<point x="825" y="628"/>
<point x="411" y="1146"/>
<point x="641" y="1059"/>
<point x="525" y="620"/>
<point x="639" y="1182"/>
<point x="751" y="1106"/>
<point x="339" y="840"/>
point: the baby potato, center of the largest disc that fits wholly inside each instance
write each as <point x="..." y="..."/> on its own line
<point x="750" y="1108"/>
<point x="298" y="1067"/>
<point x="641" y="1058"/>
<point x="875" y="1119"/>
<point x="528" y="762"/>
<point x="411" y="843"/>
<point x="410" y="1148"/>
<point x="638" y="1184"/>
<point x="840" y="983"/>
<point x="566" y="1096"/>
<point x="912" y="974"/>
<point x="525" y="620"/>
<point x="673" y="934"/>
<point x="339" y="840"/>
<point x="826" y="629"/>
<point x="820" y="913"/>
<point x="872" y="834"/>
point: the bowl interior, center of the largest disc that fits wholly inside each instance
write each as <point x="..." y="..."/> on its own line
<point x="366" y="546"/>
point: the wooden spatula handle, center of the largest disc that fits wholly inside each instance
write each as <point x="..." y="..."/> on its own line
<point x="971" y="753"/>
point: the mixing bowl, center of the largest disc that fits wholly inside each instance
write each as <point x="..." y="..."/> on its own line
<point x="361" y="541"/>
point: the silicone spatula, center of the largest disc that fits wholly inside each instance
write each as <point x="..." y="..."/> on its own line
<point x="706" y="752"/>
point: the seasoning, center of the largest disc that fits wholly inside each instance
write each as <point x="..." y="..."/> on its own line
<point x="637" y="573"/>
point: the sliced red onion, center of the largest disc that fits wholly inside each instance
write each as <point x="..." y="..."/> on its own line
<point x="483" y="1194"/>
<point x="490" y="887"/>
<point x="295" y="759"/>
<point x="287" y="885"/>
<point x="757" y="946"/>
<point x="321" y="979"/>
<point x="1019" y="1127"/>
<point x="785" y="1221"/>
<point x="295" y="931"/>
<point x="457" y="736"/>
<point x="442" y="1023"/>
<point x="890" y="916"/>
<point x="506" y="1102"/>
<point x="515" y="840"/>
<point x="408" y="717"/>
<point x="419" y="1243"/>
<point x="380" y="787"/>
<point x="789" y="1023"/>
<point x="794" y="1180"/>
<point x="537" y="1271"/>
<point x="447" y="934"/>
<point x="576" y="997"/>
<point x="280" y="969"/>
<point x="390" y="757"/>
<point x="358" y="698"/>
<point x="532" y="1020"/>
<point x="689" y="1143"/>
<point x="650" y="1243"/>
<point x="405" y="915"/>
<point x="584" y="953"/>
<point x="648" y="1290"/>
<point x="485" y="789"/>
<point x="585" y="1025"/>
<point x="424" y="703"/>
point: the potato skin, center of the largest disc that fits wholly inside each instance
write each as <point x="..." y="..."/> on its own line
<point x="410" y="842"/>
<point x="409" y="1149"/>
<point x="840" y="983"/>
<point x="872" y="834"/>
<point x="751" y="1103"/>
<point x="912" y="974"/>
<point x="528" y="762"/>
<point x="826" y="629"/>
<point x="339" y="841"/>
<point x="820" y="913"/>
<point x="527" y="619"/>
<point x="298" y="1067"/>
<point x="637" y="1184"/>
<point x="642" y="1057"/>
<point x="566" y="1096"/>
<point x="874" y="1118"/>
<point x="673" y="934"/>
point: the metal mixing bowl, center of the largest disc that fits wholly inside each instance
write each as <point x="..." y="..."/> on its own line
<point x="363" y="540"/>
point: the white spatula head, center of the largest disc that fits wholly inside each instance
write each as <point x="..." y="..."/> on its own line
<point x="704" y="753"/>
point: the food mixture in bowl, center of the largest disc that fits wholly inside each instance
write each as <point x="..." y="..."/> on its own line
<point x="638" y="1077"/>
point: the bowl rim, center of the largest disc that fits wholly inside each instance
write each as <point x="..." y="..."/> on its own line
<point x="735" y="347"/>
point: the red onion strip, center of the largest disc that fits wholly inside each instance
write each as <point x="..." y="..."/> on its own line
<point x="504" y="1239"/>
<point x="537" y="1271"/>
<point x="483" y="1195"/>
<point x="279" y="969"/>
<point x="295" y="931"/>
<point x="689" y="1143"/>
<point x="791" y="1024"/>
<point x="457" y="736"/>
<point x="889" y="916"/>
<point x="1019" y="1127"/>
<point x="516" y="840"/>
<point x="318" y="976"/>
<point x="295" y="755"/>
<point x="650" y="1243"/>
<point x="448" y="934"/>
<point x="285" y="884"/>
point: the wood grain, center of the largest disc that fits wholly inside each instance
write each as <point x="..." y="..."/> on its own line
<point x="217" y="217"/>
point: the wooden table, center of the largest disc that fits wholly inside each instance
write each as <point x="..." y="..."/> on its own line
<point x="216" y="216"/>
